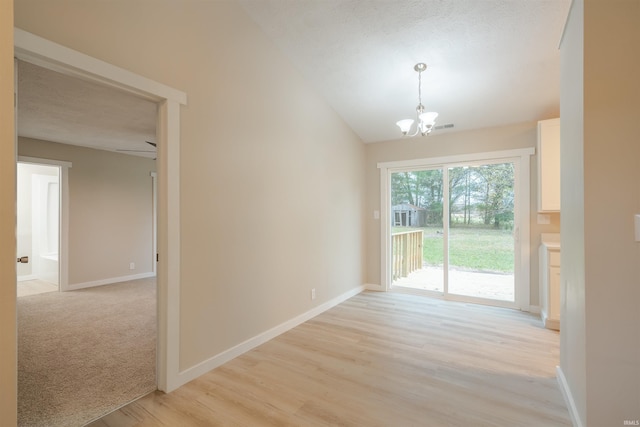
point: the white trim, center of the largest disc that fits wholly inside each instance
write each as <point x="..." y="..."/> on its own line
<point x="568" y="398"/>
<point x="385" y="244"/>
<point x="549" y="323"/>
<point x="26" y="277"/>
<point x="564" y="26"/>
<point x="34" y="49"/>
<point x="373" y="287"/>
<point x="40" y="161"/>
<point x="63" y="260"/>
<point x="535" y="309"/>
<point x="227" y="355"/>
<point x="522" y="177"/>
<point x="109" y="281"/>
<point x="168" y="163"/>
<point x="154" y="222"/>
<point x="523" y="232"/>
<point x="459" y="158"/>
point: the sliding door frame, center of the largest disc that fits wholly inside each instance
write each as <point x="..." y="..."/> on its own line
<point x="522" y="178"/>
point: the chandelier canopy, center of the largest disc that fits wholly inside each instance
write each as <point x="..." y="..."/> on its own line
<point x="425" y="120"/>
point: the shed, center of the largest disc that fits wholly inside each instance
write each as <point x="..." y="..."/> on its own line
<point x="408" y="215"/>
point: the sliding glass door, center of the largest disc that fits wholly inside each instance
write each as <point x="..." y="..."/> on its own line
<point x="452" y="229"/>
<point x="481" y="247"/>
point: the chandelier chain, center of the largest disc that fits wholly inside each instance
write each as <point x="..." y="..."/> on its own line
<point x="419" y="88"/>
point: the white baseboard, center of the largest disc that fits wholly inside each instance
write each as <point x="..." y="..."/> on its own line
<point x="373" y="287"/>
<point x="109" y="281"/>
<point x="227" y="355"/>
<point x="568" y="398"/>
<point x="26" y="277"/>
<point x="535" y="309"/>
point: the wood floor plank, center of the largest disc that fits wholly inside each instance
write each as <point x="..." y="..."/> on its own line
<point x="378" y="359"/>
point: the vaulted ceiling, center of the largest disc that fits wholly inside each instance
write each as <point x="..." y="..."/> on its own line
<point x="490" y="63"/>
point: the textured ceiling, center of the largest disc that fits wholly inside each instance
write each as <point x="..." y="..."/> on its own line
<point x="490" y="62"/>
<point x="59" y="108"/>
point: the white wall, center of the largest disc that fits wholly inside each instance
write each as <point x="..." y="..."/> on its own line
<point x="272" y="180"/>
<point x="489" y="139"/>
<point x="600" y="347"/>
<point x="110" y="209"/>
<point x="573" y="357"/>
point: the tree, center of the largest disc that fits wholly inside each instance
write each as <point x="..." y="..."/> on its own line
<point x="497" y="200"/>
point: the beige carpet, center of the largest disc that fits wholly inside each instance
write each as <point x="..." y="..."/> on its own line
<point x="84" y="353"/>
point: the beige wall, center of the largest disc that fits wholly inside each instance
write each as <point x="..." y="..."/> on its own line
<point x="110" y="207"/>
<point x="272" y="180"/>
<point x="611" y="198"/>
<point x="489" y="139"/>
<point x="8" y="376"/>
<point x="600" y="348"/>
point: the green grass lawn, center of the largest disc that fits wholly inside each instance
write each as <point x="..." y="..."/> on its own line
<point x="469" y="248"/>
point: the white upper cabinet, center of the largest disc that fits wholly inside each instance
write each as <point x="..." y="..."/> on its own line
<point x="549" y="165"/>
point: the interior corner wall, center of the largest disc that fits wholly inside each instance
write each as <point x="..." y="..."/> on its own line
<point x="8" y="341"/>
<point x="111" y="211"/>
<point x="271" y="178"/>
<point x="522" y="135"/>
<point x="573" y="357"/>
<point x="611" y="199"/>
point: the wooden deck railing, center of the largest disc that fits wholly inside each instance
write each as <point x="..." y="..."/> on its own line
<point x="407" y="252"/>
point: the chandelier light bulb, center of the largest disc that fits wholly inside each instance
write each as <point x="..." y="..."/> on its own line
<point x="405" y="125"/>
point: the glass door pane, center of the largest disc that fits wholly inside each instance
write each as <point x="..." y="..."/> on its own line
<point x="416" y="229"/>
<point x="481" y="221"/>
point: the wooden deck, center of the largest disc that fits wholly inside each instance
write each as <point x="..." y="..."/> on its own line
<point x="378" y="359"/>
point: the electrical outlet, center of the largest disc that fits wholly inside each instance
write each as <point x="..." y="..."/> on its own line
<point x="313" y="293"/>
<point x="132" y="266"/>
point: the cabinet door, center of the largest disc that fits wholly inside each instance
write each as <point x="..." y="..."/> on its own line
<point x="549" y="165"/>
<point x="554" y="293"/>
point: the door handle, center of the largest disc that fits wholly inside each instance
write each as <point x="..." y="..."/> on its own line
<point x="23" y="259"/>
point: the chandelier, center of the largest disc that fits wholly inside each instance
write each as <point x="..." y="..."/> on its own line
<point x="425" y="120"/>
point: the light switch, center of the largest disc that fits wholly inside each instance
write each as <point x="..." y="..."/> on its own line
<point x="376" y="214"/>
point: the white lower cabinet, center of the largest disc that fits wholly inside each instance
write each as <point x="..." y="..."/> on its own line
<point x="550" y="284"/>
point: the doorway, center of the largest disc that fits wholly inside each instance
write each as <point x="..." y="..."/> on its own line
<point x="452" y="227"/>
<point x="31" y="47"/>
<point x="38" y="228"/>
<point x="45" y="195"/>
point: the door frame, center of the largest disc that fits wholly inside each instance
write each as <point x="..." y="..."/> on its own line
<point x="521" y="228"/>
<point x="39" y="51"/>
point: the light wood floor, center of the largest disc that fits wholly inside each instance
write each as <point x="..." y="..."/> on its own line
<point x="378" y="359"/>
